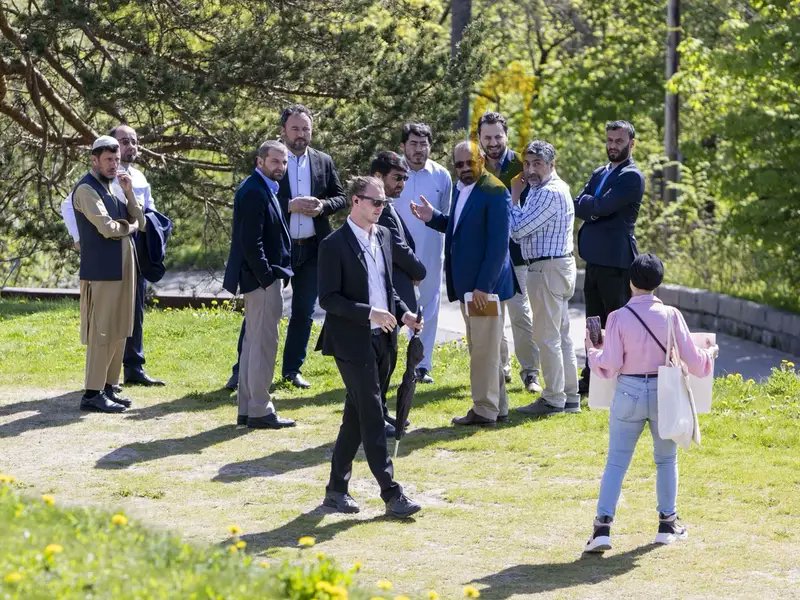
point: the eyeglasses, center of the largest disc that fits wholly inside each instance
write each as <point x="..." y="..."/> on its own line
<point x="376" y="202"/>
<point x="399" y="177"/>
<point x="463" y="163"/>
<point x="128" y="141"/>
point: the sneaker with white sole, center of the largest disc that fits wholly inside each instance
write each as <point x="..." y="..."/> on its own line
<point x="670" y="529"/>
<point x="601" y="537"/>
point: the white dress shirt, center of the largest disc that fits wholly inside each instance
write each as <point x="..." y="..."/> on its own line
<point x="376" y="269"/>
<point x="299" y="173"/>
<point x="464" y="192"/>
<point x="141" y="191"/>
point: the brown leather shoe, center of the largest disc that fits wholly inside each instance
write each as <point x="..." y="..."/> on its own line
<point x="471" y="418"/>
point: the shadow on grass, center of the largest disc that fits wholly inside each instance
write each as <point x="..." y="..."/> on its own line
<point x="191" y="402"/>
<point x="48" y="412"/>
<point x="11" y="308"/>
<point x="284" y="461"/>
<point x="308" y="523"/>
<point x="535" y="579"/>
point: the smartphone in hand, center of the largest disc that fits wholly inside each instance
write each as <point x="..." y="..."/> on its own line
<point x="595" y="333"/>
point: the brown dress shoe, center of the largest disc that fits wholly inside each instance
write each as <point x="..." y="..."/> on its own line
<point x="471" y="418"/>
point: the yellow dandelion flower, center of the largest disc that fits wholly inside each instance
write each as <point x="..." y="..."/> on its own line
<point x="241" y="544"/>
<point x="264" y="564"/>
<point x="432" y="595"/>
<point x="338" y="592"/>
<point x="384" y="584"/>
<point x="13" y="577"/>
<point x="470" y="591"/>
<point x="790" y="364"/>
<point x="52" y="549"/>
<point x="234" y="530"/>
<point x="119" y="519"/>
<point x="48" y="499"/>
<point x="306" y="541"/>
<point x="6" y="478"/>
<point x="357" y="566"/>
<point x="233" y="549"/>
<point x="402" y="598"/>
<point x="321" y="556"/>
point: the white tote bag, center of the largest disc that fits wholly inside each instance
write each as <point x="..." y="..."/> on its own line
<point x="601" y="392"/>
<point x="677" y="414"/>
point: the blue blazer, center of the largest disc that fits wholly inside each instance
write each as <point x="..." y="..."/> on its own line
<point x="260" y="245"/>
<point x="476" y="251"/>
<point x="609" y="216"/>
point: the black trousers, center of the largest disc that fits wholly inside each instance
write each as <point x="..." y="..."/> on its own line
<point x="133" y="359"/>
<point x="362" y="422"/>
<point x="605" y="289"/>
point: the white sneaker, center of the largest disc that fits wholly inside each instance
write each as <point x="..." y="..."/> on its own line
<point x="601" y="537"/>
<point x="670" y="529"/>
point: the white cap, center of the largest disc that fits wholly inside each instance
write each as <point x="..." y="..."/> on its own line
<point x="104" y="141"/>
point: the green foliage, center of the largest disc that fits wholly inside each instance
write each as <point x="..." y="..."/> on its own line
<point x="54" y="552"/>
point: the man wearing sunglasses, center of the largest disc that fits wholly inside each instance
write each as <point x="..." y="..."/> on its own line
<point x="476" y="260"/>
<point x="363" y="312"/>
<point x="133" y="359"/>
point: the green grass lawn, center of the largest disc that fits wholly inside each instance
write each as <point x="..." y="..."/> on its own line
<point x="506" y="509"/>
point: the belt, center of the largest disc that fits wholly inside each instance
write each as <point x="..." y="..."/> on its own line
<point x="641" y="375"/>
<point x="377" y="331"/>
<point x="304" y="241"/>
<point x="530" y="261"/>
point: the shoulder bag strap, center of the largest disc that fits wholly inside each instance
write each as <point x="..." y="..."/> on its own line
<point x="652" y="335"/>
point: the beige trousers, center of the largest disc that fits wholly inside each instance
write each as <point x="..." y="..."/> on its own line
<point x="487" y="384"/>
<point x="103" y="363"/>
<point x="521" y="317"/>
<point x="262" y="309"/>
<point x="551" y="283"/>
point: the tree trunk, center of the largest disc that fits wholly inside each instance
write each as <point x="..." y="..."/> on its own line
<point x="460" y="16"/>
<point x="671" y="103"/>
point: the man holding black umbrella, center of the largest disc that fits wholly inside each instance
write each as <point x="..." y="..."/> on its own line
<point x="360" y="332"/>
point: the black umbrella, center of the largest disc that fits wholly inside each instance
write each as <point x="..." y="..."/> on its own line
<point x="405" y="393"/>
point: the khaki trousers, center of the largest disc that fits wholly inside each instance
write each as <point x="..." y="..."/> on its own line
<point x="262" y="309"/>
<point x="521" y="317"/>
<point x="551" y="283"/>
<point x="103" y="363"/>
<point x="487" y="384"/>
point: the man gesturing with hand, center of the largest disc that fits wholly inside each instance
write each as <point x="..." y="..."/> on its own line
<point x="476" y="260"/>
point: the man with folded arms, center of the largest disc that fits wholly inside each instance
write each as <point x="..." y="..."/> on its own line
<point x="476" y="260"/>
<point x="543" y="227"/>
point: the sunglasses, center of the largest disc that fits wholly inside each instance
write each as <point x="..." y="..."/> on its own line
<point x="399" y="177"/>
<point x="376" y="202"/>
<point x="463" y="163"/>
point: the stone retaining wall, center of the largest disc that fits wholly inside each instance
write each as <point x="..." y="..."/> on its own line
<point x="725" y="314"/>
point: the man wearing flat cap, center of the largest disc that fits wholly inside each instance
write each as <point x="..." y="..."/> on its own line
<point x="107" y="273"/>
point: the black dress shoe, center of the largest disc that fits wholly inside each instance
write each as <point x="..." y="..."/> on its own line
<point x="390" y="430"/>
<point x="101" y="403"/>
<point x="393" y="422"/>
<point x="141" y="378"/>
<point x="272" y="421"/>
<point x="340" y="502"/>
<point x="241" y="420"/>
<point x="472" y="418"/>
<point x="233" y="383"/>
<point x="502" y="418"/>
<point x="117" y="388"/>
<point x="114" y="397"/>
<point x="298" y="381"/>
<point x="402" y="507"/>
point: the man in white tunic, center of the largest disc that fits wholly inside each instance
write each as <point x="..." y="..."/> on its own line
<point x="432" y="181"/>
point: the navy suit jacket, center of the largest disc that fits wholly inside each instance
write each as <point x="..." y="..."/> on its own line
<point x="325" y="185"/>
<point x="344" y="295"/>
<point x="606" y="237"/>
<point x="406" y="267"/>
<point x="476" y="250"/>
<point x="260" y="245"/>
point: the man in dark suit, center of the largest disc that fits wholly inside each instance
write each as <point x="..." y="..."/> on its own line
<point x="505" y="164"/>
<point x="407" y="270"/>
<point x="258" y="263"/>
<point x="360" y="332"/>
<point x="309" y="193"/>
<point x="609" y="205"/>
<point x="476" y="260"/>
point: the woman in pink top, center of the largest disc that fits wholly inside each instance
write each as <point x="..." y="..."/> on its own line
<point x="632" y="351"/>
